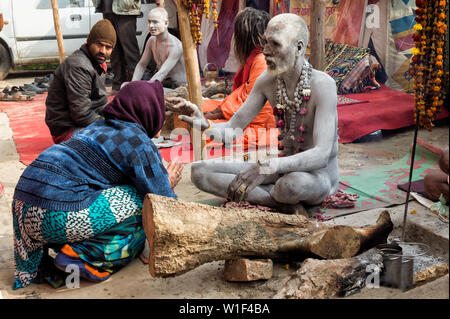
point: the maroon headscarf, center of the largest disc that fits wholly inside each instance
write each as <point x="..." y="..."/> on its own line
<point x="139" y="102"/>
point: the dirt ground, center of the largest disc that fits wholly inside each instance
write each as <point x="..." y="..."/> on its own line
<point x="204" y="282"/>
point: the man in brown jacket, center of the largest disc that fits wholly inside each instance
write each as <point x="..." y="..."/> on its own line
<point x="77" y="93"/>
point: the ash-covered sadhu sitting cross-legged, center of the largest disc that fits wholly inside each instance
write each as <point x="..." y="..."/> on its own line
<point x="305" y="103"/>
<point x="84" y="196"/>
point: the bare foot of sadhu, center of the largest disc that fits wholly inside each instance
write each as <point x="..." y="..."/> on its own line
<point x="295" y="209"/>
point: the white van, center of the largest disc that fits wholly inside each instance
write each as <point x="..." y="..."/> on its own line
<point x="28" y="35"/>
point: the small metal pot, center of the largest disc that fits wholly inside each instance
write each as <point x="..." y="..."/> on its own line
<point x="407" y="274"/>
<point x="392" y="261"/>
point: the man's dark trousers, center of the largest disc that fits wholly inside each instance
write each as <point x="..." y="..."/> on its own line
<point x="126" y="54"/>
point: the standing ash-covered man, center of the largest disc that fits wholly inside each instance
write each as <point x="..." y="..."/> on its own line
<point x="165" y="50"/>
<point x="304" y="101"/>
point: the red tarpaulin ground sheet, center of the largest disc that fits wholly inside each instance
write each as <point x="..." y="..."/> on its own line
<point x="386" y="109"/>
<point x="363" y="113"/>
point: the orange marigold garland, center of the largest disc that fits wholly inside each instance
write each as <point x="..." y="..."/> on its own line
<point x="197" y="8"/>
<point x="430" y="73"/>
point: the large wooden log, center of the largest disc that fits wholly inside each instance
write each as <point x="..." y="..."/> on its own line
<point x="184" y="235"/>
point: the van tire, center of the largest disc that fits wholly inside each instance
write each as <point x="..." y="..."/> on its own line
<point x="5" y="62"/>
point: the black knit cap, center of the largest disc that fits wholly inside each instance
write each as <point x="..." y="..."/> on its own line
<point x="102" y="31"/>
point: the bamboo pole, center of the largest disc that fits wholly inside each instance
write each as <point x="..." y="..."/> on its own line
<point x="59" y="37"/>
<point x="242" y="5"/>
<point x="192" y="74"/>
<point x="317" y="20"/>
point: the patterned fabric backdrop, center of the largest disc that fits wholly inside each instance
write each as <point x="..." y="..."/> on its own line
<point x="391" y="34"/>
<point x="385" y="24"/>
<point x="303" y="9"/>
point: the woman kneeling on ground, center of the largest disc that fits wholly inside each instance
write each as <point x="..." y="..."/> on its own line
<point x="83" y="198"/>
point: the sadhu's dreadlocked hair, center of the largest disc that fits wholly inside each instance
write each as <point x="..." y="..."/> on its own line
<point x="249" y="26"/>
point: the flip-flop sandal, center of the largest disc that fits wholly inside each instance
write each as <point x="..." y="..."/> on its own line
<point x="14" y="94"/>
<point x="20" y="97"/>
<point x="6" y="90"/>
<point x="26" y="92"/>
<point x="20" y="90"/>
<point x="39" y="80"/>
<point x="6" y="97"/>
<point x="42" y="86"/>
<point x="24" y="97"/>
<point x="34" y="88"/>
<point x="43" y="79"/>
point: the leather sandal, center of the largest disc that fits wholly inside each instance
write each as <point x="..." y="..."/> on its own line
<point x="26" y="92"/>
<point x="17" y="96"/>
<point x="6" y="89"/>
<point x="34" y="88"/>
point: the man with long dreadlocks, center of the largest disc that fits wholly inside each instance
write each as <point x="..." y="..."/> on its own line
<point x="249" y="26"/>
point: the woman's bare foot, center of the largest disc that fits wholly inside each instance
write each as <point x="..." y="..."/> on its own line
<point x="143" y="259"/>
<point x="145" y="253"/>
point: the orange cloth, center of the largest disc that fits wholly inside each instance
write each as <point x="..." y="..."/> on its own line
<point x="72" y="253"/>
<point x="265" y="119"/>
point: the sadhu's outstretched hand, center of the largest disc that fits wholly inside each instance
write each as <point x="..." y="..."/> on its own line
<point x="188" y="111"/>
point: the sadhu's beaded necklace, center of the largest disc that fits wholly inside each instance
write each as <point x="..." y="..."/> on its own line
<point x="285" y="106"/>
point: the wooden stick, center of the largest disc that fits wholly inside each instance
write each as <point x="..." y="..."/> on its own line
<point x="372" y="236"/>
<point x="59" y="37"/>
<point x="317" y="20"/>
<point x="323" y="279"/>
<point x="242" y="5"/>
<point x="192" y="74"/>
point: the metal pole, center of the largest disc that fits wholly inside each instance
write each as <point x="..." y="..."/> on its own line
<point x="413" y="154"/>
